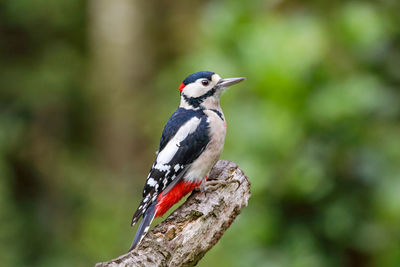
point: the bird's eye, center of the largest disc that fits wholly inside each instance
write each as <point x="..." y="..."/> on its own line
<point x="204" y="82"/>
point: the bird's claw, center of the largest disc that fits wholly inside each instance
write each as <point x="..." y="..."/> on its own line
<point x="215" y="184"/>
<point x="212" y="185"/>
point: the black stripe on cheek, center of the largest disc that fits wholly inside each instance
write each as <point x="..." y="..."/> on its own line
<point x="196" y="101"/>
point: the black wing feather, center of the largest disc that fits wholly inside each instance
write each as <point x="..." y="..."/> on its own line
<point x="175" y="122"/>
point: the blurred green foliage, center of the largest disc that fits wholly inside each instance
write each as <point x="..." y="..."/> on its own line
<point x="315" y="126"/>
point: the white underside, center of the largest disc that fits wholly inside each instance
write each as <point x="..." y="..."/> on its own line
<point x="202" y="165"/>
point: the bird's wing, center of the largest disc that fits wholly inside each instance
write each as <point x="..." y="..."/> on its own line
<point x="175" y="122"/>
<point x="184" y="137"/>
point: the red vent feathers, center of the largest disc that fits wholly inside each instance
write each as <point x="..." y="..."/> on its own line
<point x="181" y="189"/>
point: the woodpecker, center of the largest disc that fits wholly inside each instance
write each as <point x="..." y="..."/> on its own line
<point x="190" y="145"/>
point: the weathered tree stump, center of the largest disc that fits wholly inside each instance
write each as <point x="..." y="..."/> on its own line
<point x="196" y="226"/>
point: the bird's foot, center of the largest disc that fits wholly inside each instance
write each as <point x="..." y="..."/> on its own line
<point x="212" y="185"/>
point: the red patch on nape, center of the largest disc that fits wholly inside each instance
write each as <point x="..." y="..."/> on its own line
<point x="181" y="189"/>
<point x="181" y="87"/>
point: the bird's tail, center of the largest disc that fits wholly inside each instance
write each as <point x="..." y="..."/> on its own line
<point x="144" y="225"/>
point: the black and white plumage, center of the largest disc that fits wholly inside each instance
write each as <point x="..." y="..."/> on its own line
<point x="189" y="128"/>
<point x="190" y="145"/>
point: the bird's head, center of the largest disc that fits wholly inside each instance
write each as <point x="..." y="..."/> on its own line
<point x="201" y="86"/>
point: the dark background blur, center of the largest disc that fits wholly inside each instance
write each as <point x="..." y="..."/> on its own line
<point x="86" y="87"/>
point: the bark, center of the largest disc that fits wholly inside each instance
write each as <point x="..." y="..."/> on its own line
<point x="196" y="226"/>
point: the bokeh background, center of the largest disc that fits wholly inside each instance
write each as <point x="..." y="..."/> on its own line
<point x="86" y="87"/>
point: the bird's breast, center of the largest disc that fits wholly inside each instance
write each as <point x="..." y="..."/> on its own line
<point x="203" y="164"/>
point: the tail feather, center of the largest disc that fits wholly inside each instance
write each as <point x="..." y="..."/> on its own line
<point x="138" y="213"/>
<point x="144" y="225"/>
<point x="141" y="210"/>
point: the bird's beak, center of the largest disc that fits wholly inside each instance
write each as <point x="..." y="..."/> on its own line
<point x="229" y="81"/>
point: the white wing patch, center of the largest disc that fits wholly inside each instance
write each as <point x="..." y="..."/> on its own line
<point x="151" y="182"/>
<point x="162" y="167"/>
<point x="169" y="151"/>
<point x="177" y="167"/>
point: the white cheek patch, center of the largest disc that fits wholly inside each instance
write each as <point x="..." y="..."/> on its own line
<point x="169" y="151"/>
<point x="195" y="90"/>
